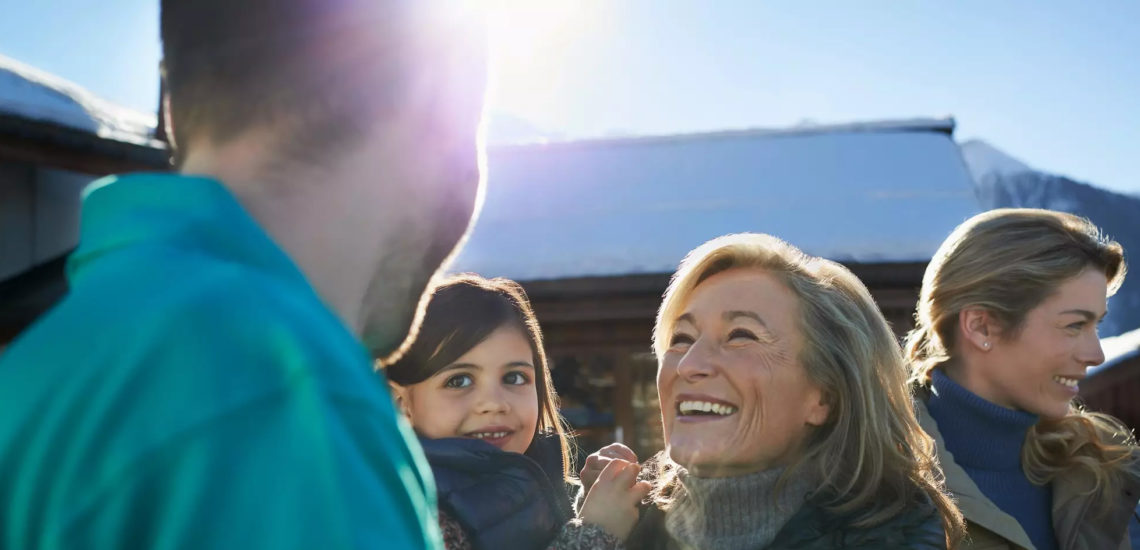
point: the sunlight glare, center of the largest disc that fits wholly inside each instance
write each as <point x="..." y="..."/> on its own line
<point x="529" y="39"/>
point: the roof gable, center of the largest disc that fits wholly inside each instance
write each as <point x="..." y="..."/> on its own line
<point x="876" y="192"/>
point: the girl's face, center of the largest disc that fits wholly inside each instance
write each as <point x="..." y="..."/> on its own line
<point x="489" y="393"/>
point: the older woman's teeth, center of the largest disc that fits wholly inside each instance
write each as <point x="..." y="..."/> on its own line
<point x="489" y="435"/>
<point x="1070" y="382"/>
<point x="699" y="407"/>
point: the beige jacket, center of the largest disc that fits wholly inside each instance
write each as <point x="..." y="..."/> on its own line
<point x="1076" y="527"/>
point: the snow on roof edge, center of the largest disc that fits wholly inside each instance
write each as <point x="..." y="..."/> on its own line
<point x="51" y="99"/>
<point x="944" y="125"/>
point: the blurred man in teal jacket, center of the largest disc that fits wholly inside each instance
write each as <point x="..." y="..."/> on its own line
<point x="207" y="382"/>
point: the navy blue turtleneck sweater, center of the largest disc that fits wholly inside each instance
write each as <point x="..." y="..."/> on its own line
<point x="986" y="441"/>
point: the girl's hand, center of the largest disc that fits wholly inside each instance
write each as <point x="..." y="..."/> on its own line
<point x="596" y="462"/>
<point x="612" y="504"/>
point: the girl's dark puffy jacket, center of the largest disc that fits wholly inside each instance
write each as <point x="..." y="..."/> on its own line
<point x="502" y="499"/>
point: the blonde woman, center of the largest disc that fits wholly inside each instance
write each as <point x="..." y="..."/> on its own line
<point x="787" y="417"/>
<point x="1006" y="326"/>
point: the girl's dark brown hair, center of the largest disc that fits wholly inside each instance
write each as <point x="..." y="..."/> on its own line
<point x="463" y="311"/>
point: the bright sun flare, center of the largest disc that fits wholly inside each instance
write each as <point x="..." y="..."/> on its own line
<point x="528" y="40"/>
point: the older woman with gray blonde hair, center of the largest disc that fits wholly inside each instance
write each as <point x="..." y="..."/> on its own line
<point x="787" y="417"/>
<point x="1006" y="326"/>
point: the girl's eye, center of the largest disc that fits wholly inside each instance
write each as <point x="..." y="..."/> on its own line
<point x="459" y="381"/>
<point x="516" y="378"/>
<point x="1076" y="326"/>
<point x="742" y="333"/>
<point x="681" y="339"/>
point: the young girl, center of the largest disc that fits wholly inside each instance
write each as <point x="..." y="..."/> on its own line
<point x="476" y="388"/>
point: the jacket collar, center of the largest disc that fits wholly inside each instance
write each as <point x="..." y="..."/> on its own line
<point x="1077" y="520"/>
<point x="190" y="213"/>
<point x="974" y="505"/>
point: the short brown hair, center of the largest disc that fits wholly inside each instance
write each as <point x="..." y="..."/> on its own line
<point x="311" y="67"/>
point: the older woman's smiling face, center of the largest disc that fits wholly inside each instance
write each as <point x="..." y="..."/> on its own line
<point x="734" y="397"/>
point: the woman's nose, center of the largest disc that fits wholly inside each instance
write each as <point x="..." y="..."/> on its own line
<point x="1092" y="353"/>
<point x="699" y="361"/>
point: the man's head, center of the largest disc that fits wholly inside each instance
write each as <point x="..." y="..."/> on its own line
<point x="362" y="113"/>
<point x="318" y="73"/>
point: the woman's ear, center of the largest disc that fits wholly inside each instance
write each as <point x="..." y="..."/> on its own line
<point x="977" y="328"/>
<point x="818" y="408"/>
<point x="402" y="397"/>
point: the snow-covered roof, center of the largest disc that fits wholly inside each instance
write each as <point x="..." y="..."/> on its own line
<point x="32" y="94"/>
<point x="1117" y="349"/>
<point x="870" y="192"/>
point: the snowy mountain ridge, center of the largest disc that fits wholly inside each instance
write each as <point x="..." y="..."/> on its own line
<point x="1002" y="181"/>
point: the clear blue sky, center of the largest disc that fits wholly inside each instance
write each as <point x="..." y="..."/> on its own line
<point x="1056" y="84"/>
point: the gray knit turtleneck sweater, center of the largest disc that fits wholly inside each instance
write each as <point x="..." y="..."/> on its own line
<point x="743" y="512"/>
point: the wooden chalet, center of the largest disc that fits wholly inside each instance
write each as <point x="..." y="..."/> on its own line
<point x="55" y="138"/>
<point x="593" y="230"/>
